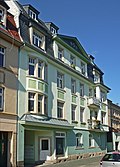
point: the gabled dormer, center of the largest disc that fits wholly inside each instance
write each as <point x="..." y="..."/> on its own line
<point x="52" y="27"/>
<point x="31" y="11"/>
<point x="3" y="13"/>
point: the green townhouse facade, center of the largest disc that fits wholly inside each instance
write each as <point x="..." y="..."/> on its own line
<point x="62" y="99"/>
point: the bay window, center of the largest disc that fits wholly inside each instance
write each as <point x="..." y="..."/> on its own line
<point x="31" y="66"/>
<point x="60" y="109"/>
<point x="73" y="109"/>
<point x="31" y="101"/>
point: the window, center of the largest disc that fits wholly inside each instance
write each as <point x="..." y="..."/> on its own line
<point x="91" y="140"/>
<point x="90" y="92"/>
<point x="31" y="101"/>
<point x="103" y="96"/>
<point x="73" y="86"/>
<point x="31" y="66"/>
<point x="81" y="89"/>
<point x="60" y="54"/>
<point x="1" y="15"/>
<point x="38" y="40"/>
<point x="45" y="105"/>
<point x="1" y="98"/>
<point x="2" y="56"/>
<point x="72" y="61"/>
<point x="32" y="14"/>
<point x="79" y="140"/>
<point x="40" y="69"/>
<point x="60" y="109"/>
<point x="81" y="114"/>
<point x="103" y="114"/>
<point x="96" y="114"/>
<point x="82" y="68"/>
<point x="60" y="78"/>
<point x="96" y="78"/>
<point x="40" y="97"/>
<point x="53" y="30"/>
<point x="45" y="72"/>
<point x="73" y="108"/>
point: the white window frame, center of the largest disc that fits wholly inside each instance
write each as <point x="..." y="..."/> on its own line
<point x="103" y="117"/>
<point x="53" y="30"/>
<point x="60" y="53"/>
<point x="83" y="71"/>
<point x="73" y="86"/>
<point x="32" y="63"/>
<point x="32" y="14"/>
<point x="72" y="60"/>
<point x="79" y="140"/>
<point x="40" y="68"/>
<point x="81" y="89"/>
<point x="91" y="141"/>
<point x="40" y="101"/>
<point x="31" y="99"/>
<point x="2" y="53"/>
<point x="82" y="114"/>
<point x="73" y="112"/>
<point x="60" y="109"/>
<point x="2" y="99"/>
<point x="37" y="40"/>
<point x="60" y="80"/>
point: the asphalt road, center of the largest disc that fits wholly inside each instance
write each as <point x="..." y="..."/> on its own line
<point x="87" y="162"/>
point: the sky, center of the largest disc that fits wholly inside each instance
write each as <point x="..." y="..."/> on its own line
<point x="96" y="24"/>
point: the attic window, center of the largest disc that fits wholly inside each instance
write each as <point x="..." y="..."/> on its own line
<point x="53" y="30"/>
<point x="39" y="40"/>
<point x="32" y="15"/>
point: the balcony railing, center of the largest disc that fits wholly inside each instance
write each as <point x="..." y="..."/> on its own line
<point x="93" y="102"/>
<point x="94" y="124"/>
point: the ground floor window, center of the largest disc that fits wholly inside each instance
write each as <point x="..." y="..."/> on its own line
<point x="91" y="141"/>
<point x="79" y="140"/>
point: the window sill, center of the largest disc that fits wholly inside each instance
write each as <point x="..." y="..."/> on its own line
<point x="92" y="147"/>
<point x="75" y="122"/>
<point x="61" y="89"/>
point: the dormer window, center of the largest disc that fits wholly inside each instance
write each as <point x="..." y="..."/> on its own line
<point x="53" y="30"/>
<point x="96" y="78"/>
<point x="32" y="15"/>
<point x="39" y="40"/>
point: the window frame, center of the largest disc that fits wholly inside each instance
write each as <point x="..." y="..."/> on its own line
<point x="73" y="86"/>
<point x="79" y="140"/>
<point x="73" y="112"/>
<point x="30" y="99"/>
<point x="40" y="101"/>
<point x="32" y="14"/>
<point x="33" y="64"/>
<point x="81" y="89"/>
<point x="83" y="69"/>
<point x="72" y="60"/>
<point x="2" y="53"/>
<point x="91" y="141"/>
<point x="82" y="114"/>
<point x="2" y="99"/>
<point x="60" y="80"/>
<point x="60" y="110"/>
<point x="60" y="53"/>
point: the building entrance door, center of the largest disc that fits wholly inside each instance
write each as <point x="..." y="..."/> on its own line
<point x="44" y="149"/>
<point x="3" y="148"/>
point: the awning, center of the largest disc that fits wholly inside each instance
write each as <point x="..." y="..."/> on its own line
<point x="44" y="121"/>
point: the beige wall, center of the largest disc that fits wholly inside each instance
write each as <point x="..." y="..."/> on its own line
<point x="8" y="80"/>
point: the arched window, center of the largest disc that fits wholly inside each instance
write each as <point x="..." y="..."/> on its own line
<point x="79" y="140"/>
<point x="91" y="141"/>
